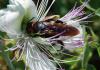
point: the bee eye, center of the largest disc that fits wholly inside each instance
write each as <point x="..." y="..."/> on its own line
<point x="40" y="26"/>
<point x="58" y="21"/>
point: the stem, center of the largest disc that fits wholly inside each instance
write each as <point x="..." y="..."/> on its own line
<point x="5" y="56"/>
<point x="90" y="8"/>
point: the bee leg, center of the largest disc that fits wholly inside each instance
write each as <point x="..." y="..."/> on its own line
<point x="57" y="35"/>
<point x="39" y="33"/>
<point x="61" y="43"/>
<point x="58" y="42"/>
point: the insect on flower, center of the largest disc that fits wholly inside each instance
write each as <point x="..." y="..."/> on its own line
<point x="50" y="27"/>
<point x="41" y="33"/>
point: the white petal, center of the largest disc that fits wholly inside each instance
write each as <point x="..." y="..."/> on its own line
<point x="11" y="17"/>
<point x="30" y="9"/>
<point x="37" y="60"/>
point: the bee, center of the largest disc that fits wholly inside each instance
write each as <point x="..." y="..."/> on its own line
<point x="51" y="26"/>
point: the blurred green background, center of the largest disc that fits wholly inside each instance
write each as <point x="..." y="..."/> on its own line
<point x="92" y="53"/>
<point x="63" y="6"/>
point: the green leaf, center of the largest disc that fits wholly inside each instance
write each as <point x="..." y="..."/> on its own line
<point x="5" y="56"/>
<point x="86" y="56"/>
<point x="87" y="53"/>
<point x="19" y="65"/>
<point x="94" y="36"/>
<point x="95" y="41"/>
<point x="97" y="12"/>
<point x="98" y="50"/>
<point x="90" y="67"/>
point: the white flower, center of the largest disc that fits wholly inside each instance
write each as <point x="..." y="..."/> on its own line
<point x="11" y="20"/>
<point x="18" y="11"/>
<point x="11" y="17"/>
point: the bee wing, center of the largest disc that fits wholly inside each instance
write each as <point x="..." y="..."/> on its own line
<point x="75" y="41"/>
<point x="42" y="9"/>
<point x="37" y="60"/>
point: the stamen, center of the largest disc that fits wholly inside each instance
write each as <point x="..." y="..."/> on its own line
<point x="57" y="35"/>
<point x="42" y="17"/>
<point x="42" y="8"/>
<point x="71" y="15"/>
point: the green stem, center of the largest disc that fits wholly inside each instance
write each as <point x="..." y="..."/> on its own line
<point x="6" y="57"/>
<point x="90" y="8"/>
